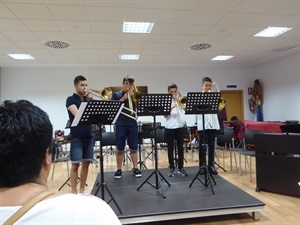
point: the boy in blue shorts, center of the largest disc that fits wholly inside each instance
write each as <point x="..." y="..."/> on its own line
<point x="126" y="128"/>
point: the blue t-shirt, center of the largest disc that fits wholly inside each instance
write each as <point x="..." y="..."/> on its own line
<point x="78" y="131"/>
<point x="123" y="119"/>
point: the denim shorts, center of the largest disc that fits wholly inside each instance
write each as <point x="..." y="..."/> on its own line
<point x="81" y="149"/>
<point x="129" y="133"/>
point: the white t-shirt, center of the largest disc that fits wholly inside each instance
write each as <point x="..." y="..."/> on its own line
<point x="68" y="209"/>
<point x="176" y="118"/>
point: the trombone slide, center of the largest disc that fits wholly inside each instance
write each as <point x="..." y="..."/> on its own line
<point x="132" y="112"/>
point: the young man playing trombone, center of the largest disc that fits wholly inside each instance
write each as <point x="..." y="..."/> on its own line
<point x="211" y="125"/>
<point x="81" y="150"/>
<point x="175" y="131"/>
<point x="126" y="127"/>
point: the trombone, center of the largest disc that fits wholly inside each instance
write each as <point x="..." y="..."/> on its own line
<point x="181" y="104"/>
<point x="182" y="101"/>
<point x="132" y="97"/>
<point x="222" y="101"/>
<point x="214" y="84"/>
<point x="105" y="93"/>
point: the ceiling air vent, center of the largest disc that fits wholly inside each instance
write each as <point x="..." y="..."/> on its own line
<point x="201" y="46"/>
<point x="57" y="44"/>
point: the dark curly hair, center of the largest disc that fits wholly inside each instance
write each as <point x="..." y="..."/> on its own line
<point x="25" y="138"/>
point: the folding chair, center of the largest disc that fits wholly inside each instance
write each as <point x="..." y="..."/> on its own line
<point x="224" y="142"/>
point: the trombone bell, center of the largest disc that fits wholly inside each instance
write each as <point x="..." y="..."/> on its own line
<point x="136" y="93"/>
<point x="182" y="102"/>
<point x="105" y="93"/>
<point x="222" y="104"/>
<point x="214" y="84"/>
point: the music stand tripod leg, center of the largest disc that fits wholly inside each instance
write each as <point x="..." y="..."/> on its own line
<point x="207" y="175"/>
<point x="218" y="165"/>
<point x="103" y="185"/>
<point x="158" y="180"/>
<point x="208" y="178"/>
<point x="66" y="182"/>
<point x="158" y="176"/>
<point x="141" y="162"/>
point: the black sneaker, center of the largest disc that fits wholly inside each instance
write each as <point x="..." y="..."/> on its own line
<point x="137" y="172"/>
<point x="212" y="170"/>
<point x="202" y="170"/>
<point x="172" y="172"/>
<point x="182" y="172"/>
<point x="118" y="174"/>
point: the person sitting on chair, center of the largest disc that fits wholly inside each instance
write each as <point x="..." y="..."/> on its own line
<point x="211" y="125"/>
<point x="238" y="128"/>
<point x="25" y="161"/>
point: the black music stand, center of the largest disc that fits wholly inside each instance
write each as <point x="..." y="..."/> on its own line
<point x="144" y="130"/>
<point x="140" y="141"/>
<point x="99" y="112"/>
<point x="68" y="179"/>
<point x="203" y="103"/>
<point x="154" y="104"/>
<point x="220" y="132"/>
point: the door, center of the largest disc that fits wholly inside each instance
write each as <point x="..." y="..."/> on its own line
<point x="234" y="103"/>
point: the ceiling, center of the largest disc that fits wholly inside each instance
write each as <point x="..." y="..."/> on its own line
<point x="93" y="28"/>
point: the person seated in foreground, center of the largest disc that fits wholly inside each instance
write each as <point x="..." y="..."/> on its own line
<point x="25" y="160"/>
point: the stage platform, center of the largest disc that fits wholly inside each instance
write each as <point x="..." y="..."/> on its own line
<point x="182" y="201"/>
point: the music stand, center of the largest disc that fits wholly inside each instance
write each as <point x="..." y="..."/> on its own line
<point x="140" y="142"/>
<point x="145" y="130"/>
<point x="66" y="159"/>
<point x="203" y="103"/>
<point x="220" y="132"/>
<point x="99" y="112"/>
<point x="154" y="104"/>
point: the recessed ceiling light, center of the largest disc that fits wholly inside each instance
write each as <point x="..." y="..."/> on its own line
<point x="21" y="56"/>
<point x="57" y="44"/>
<point x="128" y="57"/>
<point x="137" y="27"/>
<point x="222" y="57"/>
<point x="272" y="31"/>
<point x="200" y="46"/>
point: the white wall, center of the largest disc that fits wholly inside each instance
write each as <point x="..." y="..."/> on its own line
<point x="49" y="87"/>
<point x="281" y="87"/>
